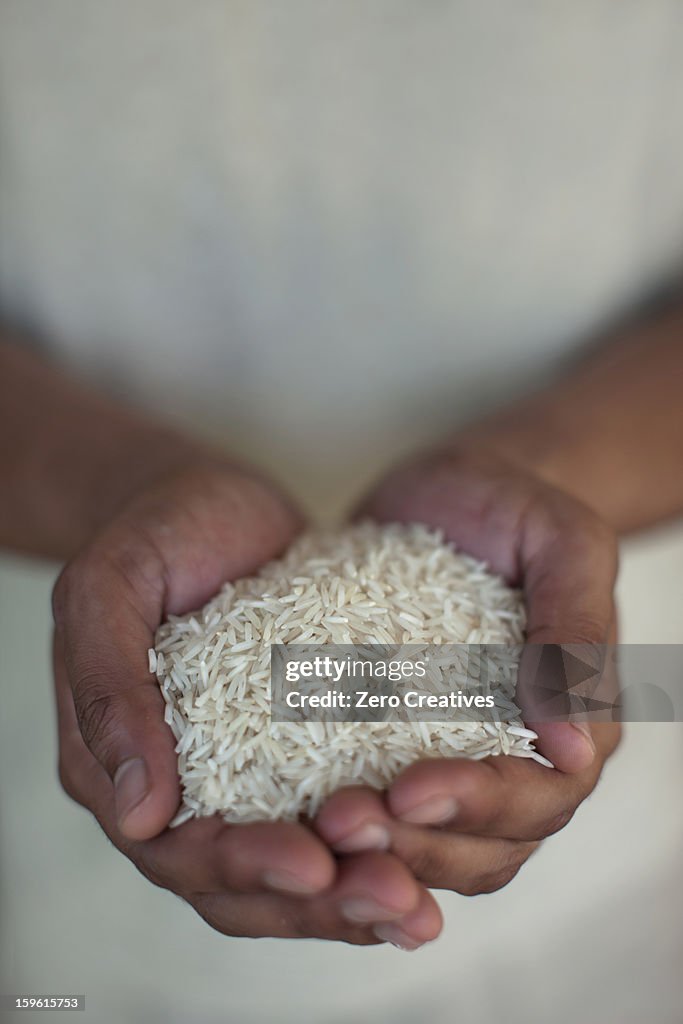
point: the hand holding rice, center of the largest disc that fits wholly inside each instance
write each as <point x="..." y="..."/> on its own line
<point x="365" y="584"/>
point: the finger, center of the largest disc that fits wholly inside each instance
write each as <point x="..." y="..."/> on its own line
<point x="570" y="560"/>
<point x="281" y="917"/>
<point x="530" y="533"/>
<point x="507" y="797"/>
<point x="203" y="855"/>
<point x="373" y="887"/>
<point x="207" y="855"/>
<point x="104" y="636"/>
<point x="468" y="865"/>
<point x="544" y="686"/>
<point x="421" y="925"/>
<point x="324" y="917"/>
<point x="385" y="886"/>
<point x="80" y="773"/>
<point x="215" y="526"/>
<point x="379" y="889"/>
<point x="439" y="859"/>
<point x="167" y="553"/>
<point x="354" y="819"/>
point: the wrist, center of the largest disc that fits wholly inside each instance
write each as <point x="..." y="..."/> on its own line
<point x="539" y="441"/>
<point x="533" y="443"/>
<point x="136" y="460"/>
<point x="73" y="491"/>
<point x="70" y="457"/>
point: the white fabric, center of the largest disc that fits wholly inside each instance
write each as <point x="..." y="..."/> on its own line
<point x="327" y="232"/>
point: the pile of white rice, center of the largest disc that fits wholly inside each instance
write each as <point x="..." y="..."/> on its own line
<point x="364" y="584"/>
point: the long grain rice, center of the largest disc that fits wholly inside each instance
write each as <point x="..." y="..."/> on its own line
<point x="363" y="584"/>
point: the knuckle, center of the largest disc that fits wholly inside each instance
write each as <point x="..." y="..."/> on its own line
<point x="430" y="866"/>
<point x="98" y="711"/>
<point x="437" y="870"/>
<point x="504" y="868"/>
<point x="236" y="867"/>
<point x="299" y="923"/>
<point x="473" y="886"/>
<point x="71" y="586"/>
<point x="139" y="563"/>
<point x="224" y="925"/>
<point x="556" y="822"/>
<point x="156" y="873"/>
<point x="203" y="905"/>
<point x="82" y="783"/>
<point x="587" y="630"/>
<point x="491" y="882"/>
<point x="128" y="557"/>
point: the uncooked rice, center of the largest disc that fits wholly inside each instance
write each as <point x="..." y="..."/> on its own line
<point x="367" y="584"/>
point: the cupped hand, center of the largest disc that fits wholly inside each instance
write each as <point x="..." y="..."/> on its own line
<point x="167" y="552"/>
<point x="464" y="825"/>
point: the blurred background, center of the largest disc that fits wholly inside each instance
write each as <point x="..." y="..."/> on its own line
<point x="327" y="234"/>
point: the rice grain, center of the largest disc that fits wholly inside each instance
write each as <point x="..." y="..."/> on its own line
<point x="363" y="584"/>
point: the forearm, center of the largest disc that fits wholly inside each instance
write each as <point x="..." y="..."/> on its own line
<point x="69" y="457"/>
<point x="610" y="432"/>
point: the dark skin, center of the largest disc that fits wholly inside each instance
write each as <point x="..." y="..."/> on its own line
<point x="153" y="523"/>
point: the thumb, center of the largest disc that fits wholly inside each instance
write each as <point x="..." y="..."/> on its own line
<point x="169" y="552"/>
<point x="544" y="698"/>
<point x="568" y="586"/>
<point x="120" y="710"/>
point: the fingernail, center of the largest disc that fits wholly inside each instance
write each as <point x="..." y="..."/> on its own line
<point x="361" y="910"/>
<point x="436" y="811"/>
<point x="131" y="786"/>
<point x="368" y="837"/>
<point x="397" y="937"/>
<point x="283" y="881"/>
<point x="585" y="730"/>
